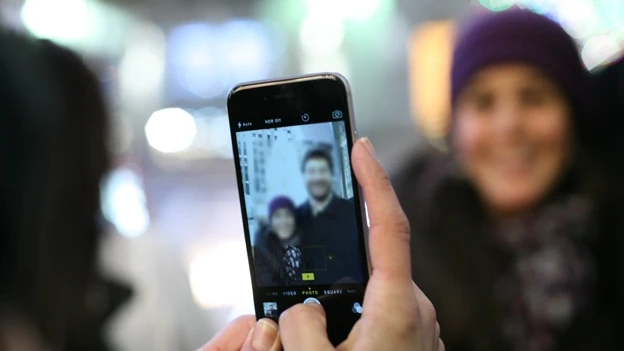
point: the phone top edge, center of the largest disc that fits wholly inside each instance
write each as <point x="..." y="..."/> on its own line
<point x="286" y="80"/>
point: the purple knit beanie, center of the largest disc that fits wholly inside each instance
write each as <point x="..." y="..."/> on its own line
<point x="522" y="36"/>
<point x="281" y="202"/>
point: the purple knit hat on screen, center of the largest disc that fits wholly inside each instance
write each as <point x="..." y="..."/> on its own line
<point x="522" y="36"/>
<point x="281" y="202"/>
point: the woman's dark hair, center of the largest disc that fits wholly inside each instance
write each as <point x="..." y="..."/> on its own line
<point x="53" y="130"/>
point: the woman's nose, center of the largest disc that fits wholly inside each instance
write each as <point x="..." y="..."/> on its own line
<point x="508" y="120"/>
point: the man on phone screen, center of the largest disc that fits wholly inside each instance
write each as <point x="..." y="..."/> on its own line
<point x="328" y="223"/>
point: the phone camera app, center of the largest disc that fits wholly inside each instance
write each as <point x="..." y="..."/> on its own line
<point x="300" y="205"/>
<point x="337" y="114"/>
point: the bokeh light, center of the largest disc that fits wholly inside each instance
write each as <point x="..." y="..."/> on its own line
<point x="600" y="50"/>
<point x="170" y="130"/>
<point x="143" y="65"/>
<point x="220" y="277"/>
<point x="497" y="5"/>
<point x="60" y="20"/>
<point x="206" y="60"/>
<point x="337" y="62"/>
<point x="430" y="55"/>
<point x="195" y="62"/>
<point x="124" y="202"/>
<point x="247" y="50"/>
<point x="578" y="17"/>
<point x="347" y="9"/>
<point x="213" y="132"/>
<point x="322" y="34"/>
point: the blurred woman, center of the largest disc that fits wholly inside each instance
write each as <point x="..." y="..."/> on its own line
<point x="53" y="127"/>
<point x="277" y="259"/>
<point x="516" y="232"/>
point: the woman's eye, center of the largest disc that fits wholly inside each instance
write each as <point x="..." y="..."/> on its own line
<point x="482" y="102"/>
<point x="533" y="97"/>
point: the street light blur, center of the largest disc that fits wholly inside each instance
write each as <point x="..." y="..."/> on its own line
<point x="346" y="9"/>
<point x="143" y="64"/>
<point x="220" y="277"/>
<point x="60" y="20"/>
<point x="600" y="50"/>
<point x="124" y="202"/>
<point x="497" y="5"/>
<point x="322" y="34"/>
<point x="170" y="130"/>
<point x="430" y="55"/>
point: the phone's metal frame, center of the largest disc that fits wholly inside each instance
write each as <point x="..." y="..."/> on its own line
<point x="352" y="131"/>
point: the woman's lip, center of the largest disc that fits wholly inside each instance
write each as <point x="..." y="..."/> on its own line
<point x="514" y="167"/>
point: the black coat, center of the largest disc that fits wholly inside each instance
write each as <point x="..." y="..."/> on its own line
<point x="330" y="242"/>
<point x="456" y="268"/>
<point x="269" y="267"/>
<point x="609" y="83"/>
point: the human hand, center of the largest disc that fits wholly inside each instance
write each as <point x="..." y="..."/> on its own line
<point x="245" y="334"/>
<point x="396" y="314"/>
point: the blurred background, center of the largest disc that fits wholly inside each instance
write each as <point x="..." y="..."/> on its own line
<point x="166" y="67"/>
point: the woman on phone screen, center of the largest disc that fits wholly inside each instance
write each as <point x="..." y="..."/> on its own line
<point x="277" y="257"/>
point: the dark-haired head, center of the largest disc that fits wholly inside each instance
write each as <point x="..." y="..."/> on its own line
<point x="318" y="172"/>
<point x="317" y="155"/>
<point x="52" y="144"/>
<point x="282" y="217"/>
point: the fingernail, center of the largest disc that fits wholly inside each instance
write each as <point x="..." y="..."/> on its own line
<point x="368" y="146"/>
<point x="264" y="336"/>
<point x="315" y="304"/>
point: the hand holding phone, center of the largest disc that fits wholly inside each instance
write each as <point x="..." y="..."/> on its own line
<point x="396" y="315"/>
<point x="302" y="209"/>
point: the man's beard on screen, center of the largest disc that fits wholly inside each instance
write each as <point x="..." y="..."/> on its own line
<point x="320" y="197"/>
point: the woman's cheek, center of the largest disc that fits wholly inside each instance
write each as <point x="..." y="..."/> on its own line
<point x="468" y="140"/>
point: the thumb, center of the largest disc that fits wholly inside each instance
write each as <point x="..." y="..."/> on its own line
<point x="231" y="337"/>
<point x="263" y="337"/>
<point x="304" y="328"/>
<point x="389" y="237"/>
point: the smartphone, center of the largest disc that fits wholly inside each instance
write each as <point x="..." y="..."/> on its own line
<point x="302" y="208"/>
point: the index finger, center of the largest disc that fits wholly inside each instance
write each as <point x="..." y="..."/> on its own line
<point x="389" y="236"/>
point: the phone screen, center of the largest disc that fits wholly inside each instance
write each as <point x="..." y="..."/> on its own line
<point x="301" y="205"/>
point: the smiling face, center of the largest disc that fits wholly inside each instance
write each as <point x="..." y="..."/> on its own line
<point x="318" y="176"/>
<point x="283" y="223"/>
<point x="512" y="135"/>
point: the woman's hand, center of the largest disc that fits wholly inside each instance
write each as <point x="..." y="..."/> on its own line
<point x="396" y="314"/>
<point x="245" y="334"/>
